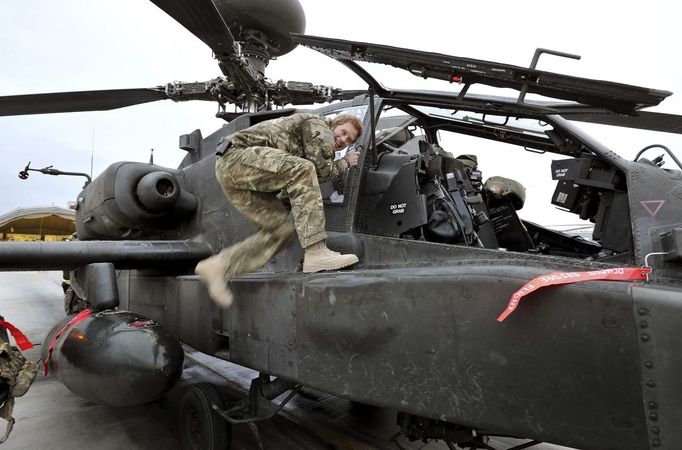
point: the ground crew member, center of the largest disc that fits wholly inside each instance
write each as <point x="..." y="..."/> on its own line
<point x="16" y="373"/>
<point x="292" y="155"/>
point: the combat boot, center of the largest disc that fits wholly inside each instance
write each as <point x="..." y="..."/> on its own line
<point x="318" y="258"/>
<point x="212" y="273"/>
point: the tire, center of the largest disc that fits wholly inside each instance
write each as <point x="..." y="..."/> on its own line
<point x="201" y="428"/>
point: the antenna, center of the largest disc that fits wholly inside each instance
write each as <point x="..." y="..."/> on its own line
<point x="151" y="157"/>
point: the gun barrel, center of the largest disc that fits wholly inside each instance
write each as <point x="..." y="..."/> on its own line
<point x="69" y="255"/>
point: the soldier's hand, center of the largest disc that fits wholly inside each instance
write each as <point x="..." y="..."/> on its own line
<point x="351" y="158"/>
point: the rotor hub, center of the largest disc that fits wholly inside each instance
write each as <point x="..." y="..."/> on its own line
<point x="258" y="49"/>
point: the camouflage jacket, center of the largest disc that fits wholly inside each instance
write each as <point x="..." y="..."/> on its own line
<point x="304" y="135"/>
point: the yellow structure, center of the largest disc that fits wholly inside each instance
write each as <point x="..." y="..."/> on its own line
<point x="44" y="223"/>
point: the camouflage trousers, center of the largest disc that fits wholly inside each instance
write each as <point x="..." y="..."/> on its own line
<point x="252" y="178"/>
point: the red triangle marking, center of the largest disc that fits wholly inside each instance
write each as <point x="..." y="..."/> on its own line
<point x="657" y="203"/>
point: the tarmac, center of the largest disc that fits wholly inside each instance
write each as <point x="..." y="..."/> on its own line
<point x="49" y="416"/>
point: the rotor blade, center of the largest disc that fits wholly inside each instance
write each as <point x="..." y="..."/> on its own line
<point x="617" y="97"/>
<point x="202" y="19"/>
<point x="58" y="102"/>
<point x="305" y="93"/>
<point x="104" y="100"/>
<point x="645" y="120"/>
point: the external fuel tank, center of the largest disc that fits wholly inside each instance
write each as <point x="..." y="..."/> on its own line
<point x="116" y="358"/>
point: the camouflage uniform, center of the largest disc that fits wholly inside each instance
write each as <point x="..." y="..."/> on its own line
<point x="290" y="155"/>
<point x="16" y="376"/>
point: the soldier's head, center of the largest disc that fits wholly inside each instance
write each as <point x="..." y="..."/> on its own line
<point x="346" y="130"/>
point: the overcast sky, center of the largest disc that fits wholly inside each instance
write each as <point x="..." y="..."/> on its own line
<point x="60" y="45"/>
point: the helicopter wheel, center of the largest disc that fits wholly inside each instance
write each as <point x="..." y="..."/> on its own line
<point x="201" y="428"/>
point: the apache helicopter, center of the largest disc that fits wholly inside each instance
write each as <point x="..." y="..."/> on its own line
<point x="586" y="364"/>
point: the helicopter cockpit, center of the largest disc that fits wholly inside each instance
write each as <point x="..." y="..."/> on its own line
<point x="423" y="179"/>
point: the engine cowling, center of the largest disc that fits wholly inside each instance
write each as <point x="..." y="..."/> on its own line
<point x="132" y="200"/>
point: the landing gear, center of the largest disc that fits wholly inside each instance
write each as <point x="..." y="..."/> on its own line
<point x="201" y="427"/>
<point x="205" y="422"/>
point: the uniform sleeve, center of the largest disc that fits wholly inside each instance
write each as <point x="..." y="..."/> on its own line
<point x="318" y="148"/>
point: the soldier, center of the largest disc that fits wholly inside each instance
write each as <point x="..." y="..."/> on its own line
<point x="291" y="155"/>
<point x="16" y="373"/>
